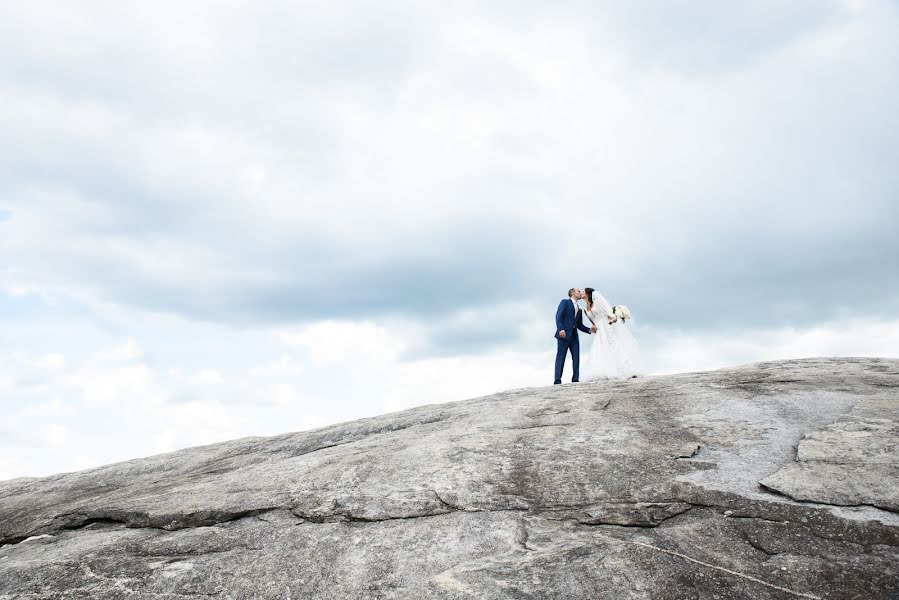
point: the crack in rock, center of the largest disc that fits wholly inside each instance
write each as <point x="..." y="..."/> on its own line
<point x="638" y="514"/>
<point x="523" y="536"/>
<point x="136" y="520"/>
<point x="695" y="467"/>
<point x="756" y="545"/>
<point x="770" y="488"/>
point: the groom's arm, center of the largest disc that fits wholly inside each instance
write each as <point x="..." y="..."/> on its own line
<point x="559" y="315"/>
<point x="583" y="327"/>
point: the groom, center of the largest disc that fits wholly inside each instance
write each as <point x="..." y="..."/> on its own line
<point x="568" y="319"/>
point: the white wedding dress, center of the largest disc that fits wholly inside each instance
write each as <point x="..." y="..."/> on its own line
<point x="613" y="353"/>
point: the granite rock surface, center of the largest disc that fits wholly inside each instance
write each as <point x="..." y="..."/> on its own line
<point x="770" y="481"/>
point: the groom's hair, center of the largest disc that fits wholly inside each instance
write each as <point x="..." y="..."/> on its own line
<point x="570" y="292"/>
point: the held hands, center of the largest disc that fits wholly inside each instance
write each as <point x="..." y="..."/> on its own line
<point x="593" y="329"/>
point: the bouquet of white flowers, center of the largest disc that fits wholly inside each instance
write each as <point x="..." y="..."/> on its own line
<point x="622" y="312"/>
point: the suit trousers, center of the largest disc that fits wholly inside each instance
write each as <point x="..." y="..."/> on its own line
<point x="566" y="345"/>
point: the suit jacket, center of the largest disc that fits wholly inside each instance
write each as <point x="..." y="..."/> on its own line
<point x="568" y="320"/>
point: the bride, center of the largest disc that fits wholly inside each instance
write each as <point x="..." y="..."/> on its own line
<point x="614" y="353"/>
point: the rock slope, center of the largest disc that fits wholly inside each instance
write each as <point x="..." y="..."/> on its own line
<point x="770" y="481"/>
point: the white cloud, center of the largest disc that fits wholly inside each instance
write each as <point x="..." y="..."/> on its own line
<point x="679" y="351"/>
<point x="51" y="361"/>
<point x="196" y="423"/>
<point x="52" y="408"/>
<point x="283" y="395"/>
<point x="11" y="467"/>
<point x="54" y="435"/>
<point x="362" y="210"/>
<point x="126" y="352"/>
<point x="206" y="377"/>
<point x="285" y="366"/>
<point x="105" y="385"/>
<point x="139" y="409"/>
<point x="348" y="342"/>
<point x="477" y="133"/>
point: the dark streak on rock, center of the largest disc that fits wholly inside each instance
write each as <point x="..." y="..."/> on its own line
<point x="539" y="426"/>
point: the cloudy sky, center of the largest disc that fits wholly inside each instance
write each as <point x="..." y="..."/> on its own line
<point x="221" y="219"/>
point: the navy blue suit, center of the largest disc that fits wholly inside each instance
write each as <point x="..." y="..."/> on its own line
<point x="569" y="321"/>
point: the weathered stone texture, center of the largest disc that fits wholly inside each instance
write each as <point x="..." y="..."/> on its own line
<point x="771" y="481"/>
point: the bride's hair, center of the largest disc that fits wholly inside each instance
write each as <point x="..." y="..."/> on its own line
<point x="589" y="292"/>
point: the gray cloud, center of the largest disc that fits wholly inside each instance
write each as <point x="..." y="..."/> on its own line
<point x="713" y="166"/>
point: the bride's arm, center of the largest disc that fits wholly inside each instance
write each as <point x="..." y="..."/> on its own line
<point x="601" y="306"/>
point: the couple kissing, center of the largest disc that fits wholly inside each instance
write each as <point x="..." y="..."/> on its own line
<point x="613" y="352"/>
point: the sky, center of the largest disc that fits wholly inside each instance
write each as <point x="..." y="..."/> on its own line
<point x="222" y="219"/>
